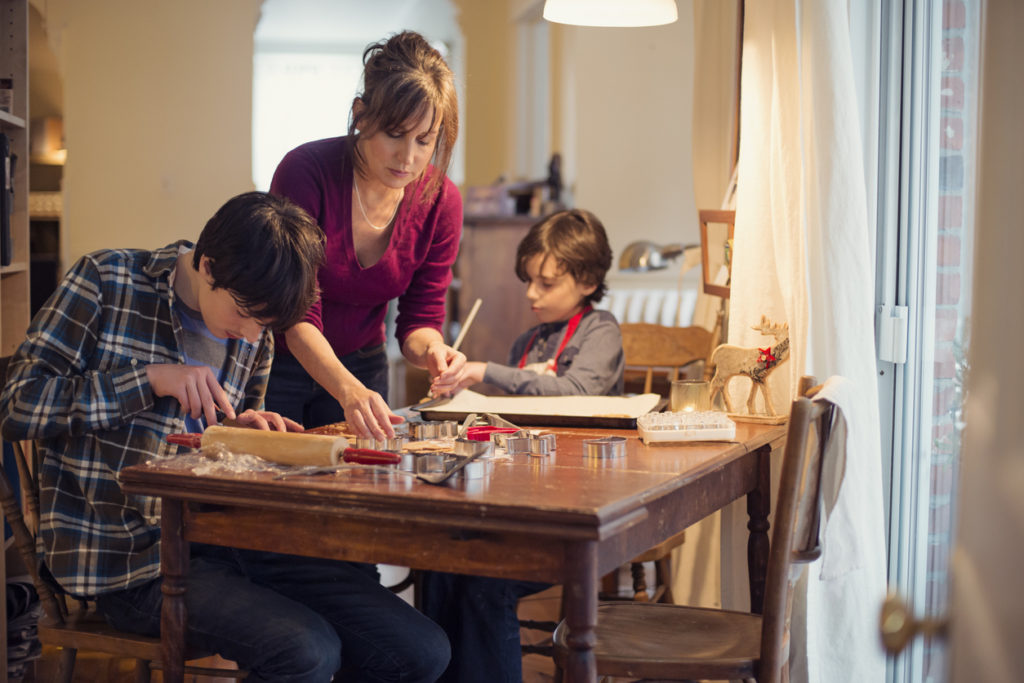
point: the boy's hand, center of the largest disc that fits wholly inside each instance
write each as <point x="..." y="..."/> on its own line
<point x="195" y="387"/>
<point x="472" y="373"/>
<point x="265" y="419"/>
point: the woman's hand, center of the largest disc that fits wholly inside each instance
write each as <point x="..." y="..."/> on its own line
<point x="366" y="412"/>
<point x="267" y="420"/>
<point x="446" y="367"/>
<point x="472" y="373"/>
<point x="195" y="387"/>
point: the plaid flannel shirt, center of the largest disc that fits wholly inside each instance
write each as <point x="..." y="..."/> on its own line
<point x="78" y="388"/>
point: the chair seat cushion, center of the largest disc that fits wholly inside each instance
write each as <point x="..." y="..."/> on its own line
<point x="648" y="640"/>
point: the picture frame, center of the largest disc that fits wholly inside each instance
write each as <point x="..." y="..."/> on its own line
<point x="708" y="247"/>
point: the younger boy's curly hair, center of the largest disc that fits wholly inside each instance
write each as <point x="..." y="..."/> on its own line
<point x="576" y="240"/>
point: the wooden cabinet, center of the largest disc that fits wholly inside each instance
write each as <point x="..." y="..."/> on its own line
<point x="485" y="268"/>
<point x="14" y="277"/>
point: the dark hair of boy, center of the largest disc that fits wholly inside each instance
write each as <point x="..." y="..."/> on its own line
<point x="576" y="240"/>
<point x="275" y="285"/>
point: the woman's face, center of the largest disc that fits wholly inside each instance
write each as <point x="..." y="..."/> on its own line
<point x="396" y="158"/>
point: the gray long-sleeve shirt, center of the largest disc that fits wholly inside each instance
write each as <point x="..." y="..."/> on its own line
<point x="592" y="362"/>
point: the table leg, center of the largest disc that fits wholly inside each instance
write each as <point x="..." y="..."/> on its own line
<point x="581" y="612"/>
<point x="759" y="505"/>
<point x="174" y="559"/>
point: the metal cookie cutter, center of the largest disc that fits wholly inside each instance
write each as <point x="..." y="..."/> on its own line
<point x="467" y="447"/>
<point x="605" y="447"/>
<point x="490" y="427"/>
<point x="424" y="431"/>
<point x="488" y="432"/>
<point x="479" y="451"/>
<point x="530" y="442"/>
<point x="393" y="445"/>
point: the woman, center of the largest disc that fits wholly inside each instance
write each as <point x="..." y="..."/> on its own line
<point x="392" y="221"/>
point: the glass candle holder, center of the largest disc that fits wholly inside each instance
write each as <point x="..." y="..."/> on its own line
<point x="689" y="395"/>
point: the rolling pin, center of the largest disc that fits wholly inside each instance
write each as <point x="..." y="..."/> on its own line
<point x="288" y="448"/>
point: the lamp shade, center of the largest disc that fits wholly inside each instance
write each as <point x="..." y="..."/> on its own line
<point x="611" y="12"/>
<point x="644" y="256"/>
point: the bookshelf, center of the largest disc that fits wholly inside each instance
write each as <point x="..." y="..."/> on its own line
<point x="14" y="277"/>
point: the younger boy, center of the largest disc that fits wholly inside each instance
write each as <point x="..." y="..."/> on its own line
<point x="574" y="350"/>
<point x="135" y="345"/>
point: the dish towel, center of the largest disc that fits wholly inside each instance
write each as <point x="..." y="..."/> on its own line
<point x="835" y="633"/>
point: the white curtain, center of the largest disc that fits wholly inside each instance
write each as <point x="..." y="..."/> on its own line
<point x="803" y="256"/>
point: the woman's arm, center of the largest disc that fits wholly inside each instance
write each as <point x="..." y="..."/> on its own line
<point x="365" y="410"/>
<point x="425" y="348"/>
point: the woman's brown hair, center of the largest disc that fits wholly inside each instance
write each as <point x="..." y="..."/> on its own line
<point x="403" y="79"/>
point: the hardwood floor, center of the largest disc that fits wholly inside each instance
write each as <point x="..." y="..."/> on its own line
<point x="91" y="667"/>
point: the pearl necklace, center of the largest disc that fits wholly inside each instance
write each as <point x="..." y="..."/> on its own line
<point x="363" y="210"/>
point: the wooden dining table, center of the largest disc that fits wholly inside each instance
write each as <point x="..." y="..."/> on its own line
<point x="564" y="518"/>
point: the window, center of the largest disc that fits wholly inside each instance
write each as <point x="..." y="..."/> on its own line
<point x="298" y="96"/>
<point x="926" y="143"/>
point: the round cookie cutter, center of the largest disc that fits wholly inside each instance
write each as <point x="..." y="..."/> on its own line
<point x="605" y="447"/>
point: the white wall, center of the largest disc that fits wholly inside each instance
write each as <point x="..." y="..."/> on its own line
<point x="158" y="133"/>
<point x="158" y="118"/>
<point x="632" y="95"/>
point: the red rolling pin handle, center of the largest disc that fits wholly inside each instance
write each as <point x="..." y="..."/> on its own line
<point x="187" y="440"/>
<point x="367" y="456"/>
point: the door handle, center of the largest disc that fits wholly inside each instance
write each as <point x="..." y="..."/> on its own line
<point x="899" y="626"/>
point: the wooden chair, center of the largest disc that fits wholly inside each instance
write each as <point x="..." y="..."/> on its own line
<point x="649" y="348"/>
<point x="656" y="347"/>
<point x="652" y="347"/>
<point x="674" y="642"/>
<point x="80" y="628"/>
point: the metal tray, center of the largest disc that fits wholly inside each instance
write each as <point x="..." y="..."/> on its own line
<point x="534" y="420"/>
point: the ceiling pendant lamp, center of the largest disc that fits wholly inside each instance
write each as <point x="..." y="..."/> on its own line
<point x="611" y="12"/>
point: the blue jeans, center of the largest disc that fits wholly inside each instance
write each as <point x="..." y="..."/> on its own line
<point x="293" y="393"/>
<point x="479" y="615"/>
<point x="289" y="618"/>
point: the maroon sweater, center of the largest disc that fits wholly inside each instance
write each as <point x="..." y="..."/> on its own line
<point x="415" y="268"/>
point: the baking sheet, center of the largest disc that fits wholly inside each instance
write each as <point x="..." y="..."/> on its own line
<point x="616" y="412"/>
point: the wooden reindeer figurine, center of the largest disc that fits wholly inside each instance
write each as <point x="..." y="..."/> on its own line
<point x="756" y="363"/>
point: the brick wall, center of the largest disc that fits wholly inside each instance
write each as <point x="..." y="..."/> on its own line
<point x="957" y="142"/>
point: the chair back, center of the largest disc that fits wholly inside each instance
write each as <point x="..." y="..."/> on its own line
<point x="795" y="538"/>
<point x="54" y="611"/>
<point x="649" y="346"/>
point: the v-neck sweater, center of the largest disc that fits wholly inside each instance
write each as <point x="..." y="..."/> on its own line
<point x="415" y="268"/>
